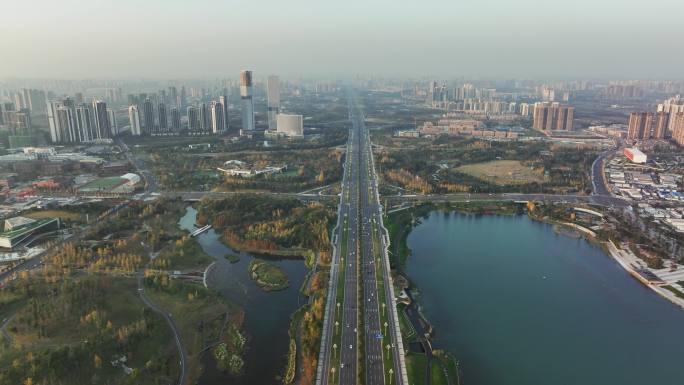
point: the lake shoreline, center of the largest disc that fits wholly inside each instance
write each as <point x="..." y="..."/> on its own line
<point x="559" y="229"/>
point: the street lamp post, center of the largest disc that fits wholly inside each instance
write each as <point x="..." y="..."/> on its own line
<point x="335" y="350"/>
<point x="391" y="371"/>
<point x="383" y="308"/>
<point x="336" y="325"/>
<point x="333" y="373"/>
<point x="385" y="328"/>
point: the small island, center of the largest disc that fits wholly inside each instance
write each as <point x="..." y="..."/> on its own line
<point x="232" y="258"/>
<point x="268" y="276"/>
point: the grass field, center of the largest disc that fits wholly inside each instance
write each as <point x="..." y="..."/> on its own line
<point x="503" y="172"/>
<point x="437" y="375"/>
<point x="103" y="184"/>
<point x="416" y="365"/>
<point x="200" y="318"/>
<point x="63" y="214"/>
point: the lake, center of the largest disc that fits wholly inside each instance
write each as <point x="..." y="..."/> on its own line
<point x="519" y="304"/>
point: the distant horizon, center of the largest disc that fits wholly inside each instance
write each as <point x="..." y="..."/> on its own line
<point x="172" y="39"/>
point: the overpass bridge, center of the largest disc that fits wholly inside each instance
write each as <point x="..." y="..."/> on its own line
<point x="598" y="200"/>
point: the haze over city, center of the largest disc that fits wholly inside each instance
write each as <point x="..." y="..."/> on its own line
<point x="302" y="38"/>
<point x="314" y="192"/>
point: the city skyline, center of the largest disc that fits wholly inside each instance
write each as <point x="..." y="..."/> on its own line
<point x="485" y="39"/>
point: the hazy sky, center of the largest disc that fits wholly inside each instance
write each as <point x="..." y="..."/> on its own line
<point x="444" y="38"/>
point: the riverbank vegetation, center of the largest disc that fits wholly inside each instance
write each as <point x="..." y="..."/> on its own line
<point x="311" y="326"/>
<point x="269" y="277"/>
<point x="204" y="318"/>
<point x="132" y="237"/>
<point x="270" y="225"/>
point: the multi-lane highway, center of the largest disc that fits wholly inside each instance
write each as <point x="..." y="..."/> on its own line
<point x="361" y="341"/>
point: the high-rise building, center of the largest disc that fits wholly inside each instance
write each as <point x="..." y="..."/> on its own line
<point x="204" y="118"/>
<point x="640" y="125"/>
<point x="163" y="126"/>
<point x="19" y="122"/>
<point x="111" y="117"/>
<point x="553" y="116"/>
<point x="2" y="114"/>
<point x="181" y="97"/>
<point x="53" y="122"/>
<point x="134" y="117"/>
<point x="173" y="96"/>
<point x="66" y="118"/>
<point x="85" y="122"/>
<point x="5" y="111"/>
<point x="246" y="97"/>
<point x="661" y="124"/>
<point x="672" y="106"/>
<point x="102" y="128"/>
<point x="193" y="120"/>
<point x="217" y="123"/>
<point x="290" y="125"/>
<point x="273" y="93"/>
<point x="678" y="128"/>
<point x="175" y="119"/>
<point x="223" y="99"/>
<point x="148" y="116"/>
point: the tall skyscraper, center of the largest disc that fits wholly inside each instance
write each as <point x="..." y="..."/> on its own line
<point x="66" y="118"/>
<point x="182" y="97"/>
<point x="246" y="98"/>
<point x="102" y="128"/>
<point x="223" y="99"/>
<point x="134" y="117"/>
<point x="163" y="119"/>
<point x="273" y="93"/>
<point x="148" y="116"/>
<point x="173" y="96"/>
<point x="85" y="122"/>
<point x="204" y="118"/>
<point x="175" y="119"/>
<point x="193" y="120"/>
<point x="113" y="126"/>
<point x="217" y="123"/>
<point x="53" y="122"/>
<point x="2" y="114"/>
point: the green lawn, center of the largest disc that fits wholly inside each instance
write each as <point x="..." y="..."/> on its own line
<point x="437" y="376"/>
<point x="416" y="365"/>
<point x="199" y="314"/>
<point x="407" y="329"/>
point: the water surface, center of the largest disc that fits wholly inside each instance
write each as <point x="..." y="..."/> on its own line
<point x="267" y="314"/>
<point x="519" y="304"/>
